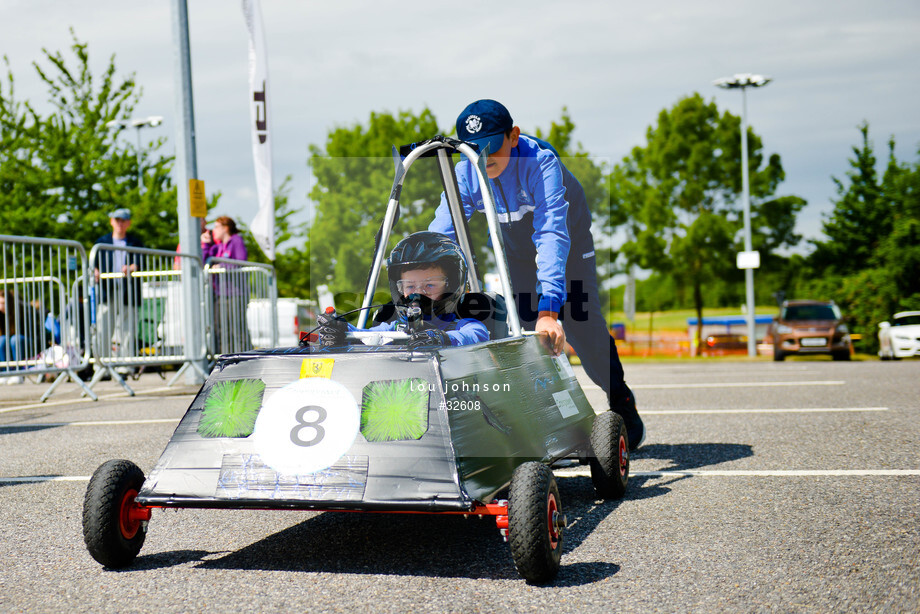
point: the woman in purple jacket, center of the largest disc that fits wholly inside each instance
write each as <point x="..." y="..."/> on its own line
<point x="231" y="287"/>
<point x="224" y="241"/>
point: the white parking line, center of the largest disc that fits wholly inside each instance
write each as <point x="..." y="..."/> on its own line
<point x="91" y="423"/>
<point x="586" y="386"/>
<point x="737" y="384"/>
<point x="45" y="478"/>
<point x="793" y="410"/>
<point x="138" y="396"/>
<point x="586" y="472"/>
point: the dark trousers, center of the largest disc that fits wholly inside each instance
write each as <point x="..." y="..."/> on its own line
<point x="582" y="320"/>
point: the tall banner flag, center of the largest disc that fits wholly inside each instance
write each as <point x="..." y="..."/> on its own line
<point x="263" y="224"/>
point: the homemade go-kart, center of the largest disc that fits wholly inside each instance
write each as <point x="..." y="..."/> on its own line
<point x="377" y="427"/>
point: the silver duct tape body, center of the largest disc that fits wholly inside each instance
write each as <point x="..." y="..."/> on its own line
<point x="373" y="428"/>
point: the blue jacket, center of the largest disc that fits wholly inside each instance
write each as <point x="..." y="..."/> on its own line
<point x="462" y="331"/>
<point x="105" y="263"/>
<point x="542" y="210"/>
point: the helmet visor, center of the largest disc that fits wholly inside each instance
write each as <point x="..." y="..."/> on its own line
<point x="433" y="286"/>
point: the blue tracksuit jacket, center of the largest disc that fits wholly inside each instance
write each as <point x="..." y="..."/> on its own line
<point x="540" y="222"/>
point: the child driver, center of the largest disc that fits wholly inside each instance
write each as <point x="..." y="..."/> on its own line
<point x="427" y="270"/>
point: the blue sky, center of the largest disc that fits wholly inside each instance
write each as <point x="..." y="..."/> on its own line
<point x="615" y="65"/>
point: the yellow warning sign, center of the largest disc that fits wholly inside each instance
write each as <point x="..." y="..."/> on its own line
<point x="316" y="367"/>
<point x="198" y="202"/>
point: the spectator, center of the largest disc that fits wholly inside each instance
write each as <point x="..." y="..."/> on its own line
<point x="231" y="288"/>
<point x="15" y="317"/>
<point x="546" y="231"/>
<point x="119" y="295"/>
<point x="223" y="241"/>
<point x="177" y="261"/>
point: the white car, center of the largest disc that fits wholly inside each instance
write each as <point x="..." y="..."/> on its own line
<point x="900" y="338"/>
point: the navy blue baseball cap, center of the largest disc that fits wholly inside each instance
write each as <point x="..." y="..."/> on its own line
<point x="484" y="122"/>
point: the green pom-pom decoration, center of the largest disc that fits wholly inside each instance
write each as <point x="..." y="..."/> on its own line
<point x="231" y="408"/>
<point x="394" y="410"/>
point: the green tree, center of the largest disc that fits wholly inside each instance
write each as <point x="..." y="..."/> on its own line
<point x="861" y="217"/>
<point x="680" y="193"/>
<point x="590" y="172"/>
<point x="898" y="253"/>
<point x="352" y="190"/>
<point x="871" y="263"/>
<point x="593" y="176"/>
<point x="63" y="171"/>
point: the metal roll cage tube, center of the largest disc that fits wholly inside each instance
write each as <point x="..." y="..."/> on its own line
<point x="456" y="211"/>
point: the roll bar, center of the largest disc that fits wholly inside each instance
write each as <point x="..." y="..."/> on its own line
<point x="443" y="147"/>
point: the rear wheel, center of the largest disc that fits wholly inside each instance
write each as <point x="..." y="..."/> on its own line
<point x="535" y="522"/>
<point x="842" y="355"/>
<point x="778" y="355"/>
<point x="113" y="528"/>
<point x="610" y="459"/>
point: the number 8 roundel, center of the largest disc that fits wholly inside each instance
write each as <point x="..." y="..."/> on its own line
<point x="306" y="426"/>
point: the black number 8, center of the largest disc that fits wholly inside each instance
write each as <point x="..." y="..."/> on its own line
<point x="315" y="425"/>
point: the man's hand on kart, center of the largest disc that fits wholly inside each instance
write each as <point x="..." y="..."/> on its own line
<point x="429" y="339"/>
<point x="548" y="322"/>
<point x="331" y="329"/>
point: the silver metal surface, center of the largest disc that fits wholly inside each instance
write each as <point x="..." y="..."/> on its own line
<point x="187" y="168"/>
<point x="136" y="308"/>
<point x="514" y="324"/>
<point x="445" y="164"/>
<point x="231" y="286"/>
<point x="44" y="326"/>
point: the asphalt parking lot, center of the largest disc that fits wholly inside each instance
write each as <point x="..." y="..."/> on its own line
<point x="761" y="486"/>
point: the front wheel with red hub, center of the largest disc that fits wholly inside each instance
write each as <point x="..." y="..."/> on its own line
<point x="535" y="522"/>
<point x="610" y="459"/>
<point x="114" y="525"/>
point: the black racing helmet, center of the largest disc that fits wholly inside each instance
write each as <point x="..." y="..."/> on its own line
<point x="426" y="249"/>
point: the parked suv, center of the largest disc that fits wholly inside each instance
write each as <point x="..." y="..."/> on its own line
<point x="810" y="327"/>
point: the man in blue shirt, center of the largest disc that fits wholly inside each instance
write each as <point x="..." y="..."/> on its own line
<point x="546" y="231"/>
<point x="119" y="295"/>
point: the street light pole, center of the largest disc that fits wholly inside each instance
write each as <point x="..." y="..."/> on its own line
<point x="153" y="121"/>
<point x="749" y="259"/>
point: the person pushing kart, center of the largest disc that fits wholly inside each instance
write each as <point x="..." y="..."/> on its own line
<point x="546" y="231"/>
<point x="427" y="275"/>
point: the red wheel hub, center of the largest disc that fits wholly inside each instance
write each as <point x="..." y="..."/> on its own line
<point x="553" y="518"/>
<point x="624" y="457"/>
<point x="131" y="515"/>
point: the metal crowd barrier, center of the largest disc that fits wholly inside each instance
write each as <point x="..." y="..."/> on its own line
<point x="137" y="311"/>
<point x="121" y="310"/>
<point x="44" y="325"/>
<point x="239" y="295"/>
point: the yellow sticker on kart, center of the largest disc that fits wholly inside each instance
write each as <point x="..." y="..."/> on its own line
<point x="316" y="367"/>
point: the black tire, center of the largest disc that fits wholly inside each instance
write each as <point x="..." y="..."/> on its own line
<point x="843" y="355"/>
<point x="535" y="522"/>
<point x="778" y="356"/>
<point x="610" y="456"/>
<point x="111" y="537"/>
